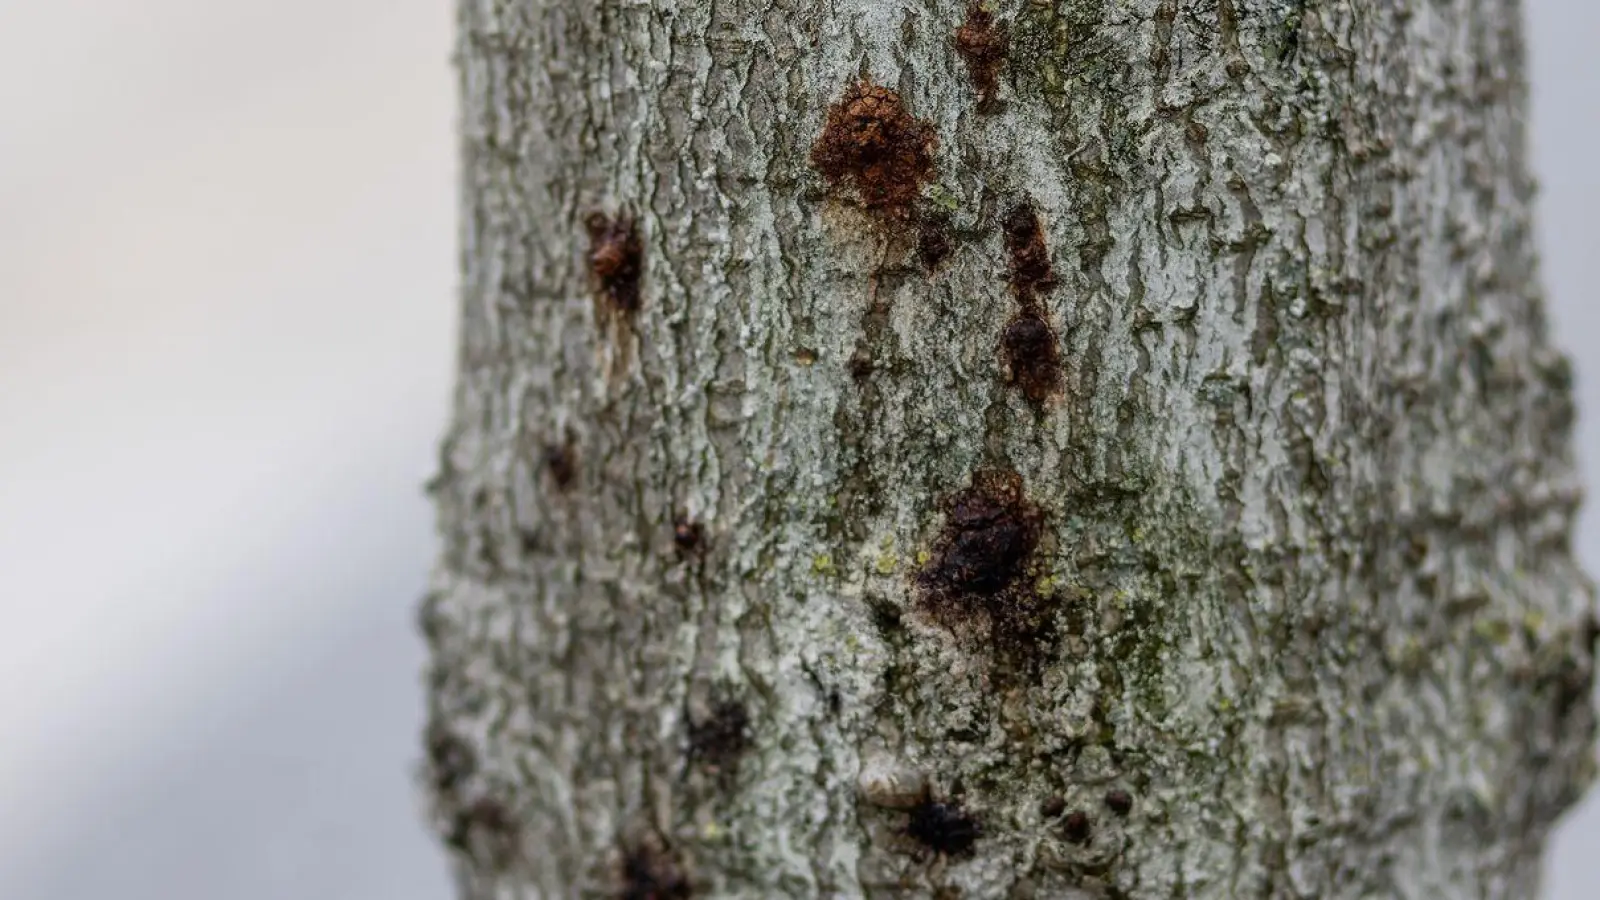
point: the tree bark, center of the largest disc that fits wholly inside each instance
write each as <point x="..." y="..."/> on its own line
<point x="1092" y="448"/>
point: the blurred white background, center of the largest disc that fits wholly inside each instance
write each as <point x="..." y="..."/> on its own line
<point x="226" y="333"/>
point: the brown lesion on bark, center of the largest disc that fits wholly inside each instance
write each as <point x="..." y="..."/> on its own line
<point x="1027" y="255"/>
<point x="688" y="537"/>
<point x="873" y="145"/>
<point x="616" y="259"/>
<point x="1029" y="346"/>
<point x="561" y="463"/>
<point x="982" y="44"/>
<point x="979" y="583"/>
<point x="718" y="739"/>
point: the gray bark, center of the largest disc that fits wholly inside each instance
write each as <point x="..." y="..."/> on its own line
<point x="1302" y="616"/>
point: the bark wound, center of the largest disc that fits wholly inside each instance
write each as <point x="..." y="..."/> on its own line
<point x="944" y="828"/>
<point x="616" y="259"/>
<point x="979" y="581"/>
<point x="871" y="143"/>
<point x="982" y="45"/>
<point x="651" y="871"/>
<point x="1029" y="345"/>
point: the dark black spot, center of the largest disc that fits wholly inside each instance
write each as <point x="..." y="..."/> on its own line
<point x="1031" y="272"/>
<point x="1119" y="801"/>
<point x="860" y="365"/>
<point x="943" y="828"/>
<point x="688" y="537"/>
<point x="1052" y="807"/>
<point x="651" y="871"/>
<point x="979" y="582"/>
<point x="561" y="461"/>
<point x="933" y="239"/>
<point x="990" y="530"/>
<point x="1032" y="356"/>
<point x="1077" y="827"/>
<point x="717" y="741"/>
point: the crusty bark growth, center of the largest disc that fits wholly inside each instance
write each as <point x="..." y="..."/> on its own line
<point x="872" y="144"/>
<point x="982" y="45"/>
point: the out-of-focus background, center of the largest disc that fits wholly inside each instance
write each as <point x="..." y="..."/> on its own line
<point x="227" y="326"/>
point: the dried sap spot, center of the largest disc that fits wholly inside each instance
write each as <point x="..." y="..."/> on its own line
<point x="871" y="143"/>
<point x="650" y="871"/>
<point x="1032" y="356"/>
<point x="982" y="44"/>
<point x="1029" y="257"/>
<point x="717" y="741"/>
<point x="616" y="258"/>
<point x="990" y="530"/>
<point x="1029" y="346"/>
<point x="979" y="573"/>
<point x="943" y="828"/>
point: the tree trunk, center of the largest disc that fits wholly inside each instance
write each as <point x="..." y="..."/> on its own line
<point x="1063" y="449"/>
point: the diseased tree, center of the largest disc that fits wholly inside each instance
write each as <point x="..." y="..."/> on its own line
<point x="1059" y="448"/>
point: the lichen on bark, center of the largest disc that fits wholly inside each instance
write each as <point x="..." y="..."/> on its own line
<point x="1297" y="501"/>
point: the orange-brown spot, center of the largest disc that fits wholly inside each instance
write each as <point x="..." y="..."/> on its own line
<point x="616" y="259"/>
<point x="982" y="44"/>
<point x="1030" y="258"/>
<point x="871" y="143"/>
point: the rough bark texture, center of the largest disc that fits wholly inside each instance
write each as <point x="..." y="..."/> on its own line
<point x="1168" y="495"/>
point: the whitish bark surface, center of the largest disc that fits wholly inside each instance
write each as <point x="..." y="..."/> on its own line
<point x="1284" y="605"/>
